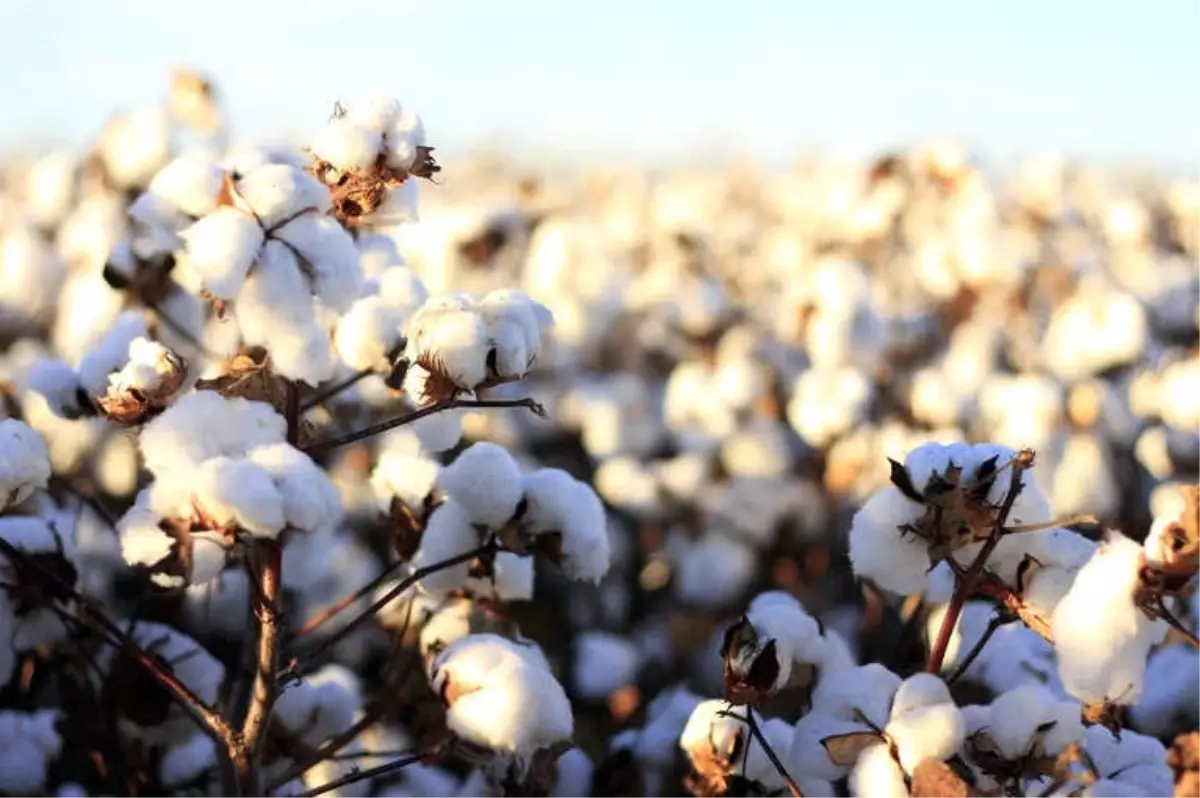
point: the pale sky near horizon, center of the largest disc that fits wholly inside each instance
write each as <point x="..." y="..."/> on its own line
<point x="647" y="78"/>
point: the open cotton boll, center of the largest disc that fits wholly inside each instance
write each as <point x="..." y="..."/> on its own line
<point x="190" y="184"/>
<point x="134" y="145"/>
<point x="220" y="249"/>
<point x="324" y="246"/>
<point x="367" y="332"/>
<point x="514" y="324"/>
<point x="276" y="192"/>
<point x="448" y="336"/>
<point x="603" y="662"/>
<point x="407" y="477"/>
<point x="1102" y="637"/>
<point x="204" y="424"/>
<point x="867" y="690"/>
<point x="558" y="503"/>
<point x="777" y="617"/>
<point x="347" y="144"/>
<point x="24" y="462"/>
<point x="486" y="482"/>
<point x="323" y="704"/>
<point x="29" y="742"/>
<point x="808" y="756"/>
<point x="111" y="352"/>
<point x="879" y="551"/>
<point x="1015" y="716"/>
<point x="448" y="533"/>
<point x="930" y="732"/>
<point x="919" y="691"/>
<point x="185" y="762"/>
<point x="242" y="493"/>
<point x="511" y="579"/>
<point x="876" y="775"/>
<point x="501" y="695"/>
<point x="310" y="501"/>
<point x="1172" y="694"/>
<point x="714" y="742"/>
<point x="1133" y="760"/>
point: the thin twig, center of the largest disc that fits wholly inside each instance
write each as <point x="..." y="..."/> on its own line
<point x="333" y="390"/>
<point x="417" y="415"/>
<point x="401" y="586"/>
<point x="1011" y="602"/>
<point x="1175" y="623"/>
<point x="330" y="747"/>
<point x="331" y="611"/>
<point x="966" y="583"/>
<point x="995" y="623"/>
<point x="363" y="775"/>
<point x="752" y="724"/>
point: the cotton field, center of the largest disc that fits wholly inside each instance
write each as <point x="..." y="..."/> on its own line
<point x="341" y="467"/>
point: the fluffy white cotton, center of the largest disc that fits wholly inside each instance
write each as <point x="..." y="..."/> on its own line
<point x="448" y="335"/>
<point x="1171" y="697"/>
<point x="448" y="533"/>
<point x="59" y="384"/>
<point x="876" y="774"/>
<point x="866" y="690"/>
<point x="204" y="424"/>
<point x="321" y="705"/>
<point x="777" y="616"/>
<point x="347" y="144"/>
<point x="29" y="742"/>
<point x="368" y="332"/>
<point x="486" y="482"/>
<point x="711" y="571"/>
<point x="326" y="248"/>
<point x="895" y="562"/>
<point x="1015" y="717"/>
<point x="501" y="695"/>
<point x="808" y="756"/>
<point x="276" y="192"/>
<point x="24" y="462"/>
<point x="190" y="184"/>
<point x="407" y="477"/>
<point x="1131" y="764"/>
<point x="514" y="325"/>
<point x="557" y="502"/>
<point x="240" y="493"/>
<point x="1101" y="637"/>
<point x="603" y="662"/>
<point x="149" y="364"/>
<point x="31" y="274"/>
<point x="220" y="249"/>
<point x="827" y="402"/>
<point x="310" y="501"/>
<point x="111" y="353"/>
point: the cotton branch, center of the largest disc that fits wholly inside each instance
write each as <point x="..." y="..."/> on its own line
<point x="757" y="734"/>
<point x="334" y="609"/>
<point x="998" y="620"/>
<point x="362" y="775"/>
<point x="966" y="583"/>
<point x="404" y="584"/>
<point x="417" y="415"/>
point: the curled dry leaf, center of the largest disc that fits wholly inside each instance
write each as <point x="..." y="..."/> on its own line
<point x="844" y="749"/>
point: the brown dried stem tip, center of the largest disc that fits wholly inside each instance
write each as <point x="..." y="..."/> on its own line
<point x="357" y="193"/>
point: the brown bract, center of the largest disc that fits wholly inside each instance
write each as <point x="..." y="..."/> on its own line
<point x="357" y="193"/>
<point x="935" y="779"/>
<point x="135" y="405"/>
<point x="1184" y="759"/>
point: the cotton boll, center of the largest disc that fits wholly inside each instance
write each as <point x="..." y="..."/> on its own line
<point x="808" y="756"/>
<point x="240" y="492"/>
<point x="486" y="482"/>
<point x="204" y="424"/>
<point x="134" y="145"/>
<point x="779" y="618"/>
<point x="448" y="335"/>
<point x="28" y="743"/>
<point x="574" y="771"/>
<point x="501" y="695"/>
<point x="190" y="184"/>
<point x="323" y="704"/>
<point x="276" y="192"/>
<point x="409" y="478"/>
<point x="329" y="251"/>
<point x="867" y="690"/>
<point x="111" y="352"/>
<point x="626" y="484"/>
<point x="310" y="501"/>
<point x="440" y="431"/>
<point x="930" y="732"/>
<point x="86" y="308"/>
<point x="187" y="761"/>
<point x="511" y="579"/>
<point x="603" y="662"/>
<point x="1102" y="638"/>
<point x="367" y="332"/>
<point x="347" y="144"/>
<point x="1132" y="759"/>
<point x="559" y="503"/>
<point x="24" y="462"/>
<point x="50" y="187"/>
<point x="448" y="533"/>
<point x="761" y="449"/>
<point x="1014" y="719"/>
<point x="878" y="550"/>
<point x="1172" y="693"/>
<point x="876" y="775"/>
<point x="220" y="249"/>
<point x="919" y="691"/>
<point x="379" y="114"/>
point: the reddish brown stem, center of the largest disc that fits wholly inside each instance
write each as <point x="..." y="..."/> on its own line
<point x="320" y="618"/>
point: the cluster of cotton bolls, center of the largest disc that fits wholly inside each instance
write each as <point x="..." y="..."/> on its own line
<point x="851" y="479"/>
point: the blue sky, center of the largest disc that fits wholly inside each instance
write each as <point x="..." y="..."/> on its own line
<point x="648" y="78"/>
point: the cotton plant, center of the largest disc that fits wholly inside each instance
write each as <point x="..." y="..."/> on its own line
<point x="223" y="474"/>
<point x="778" y="645"/>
